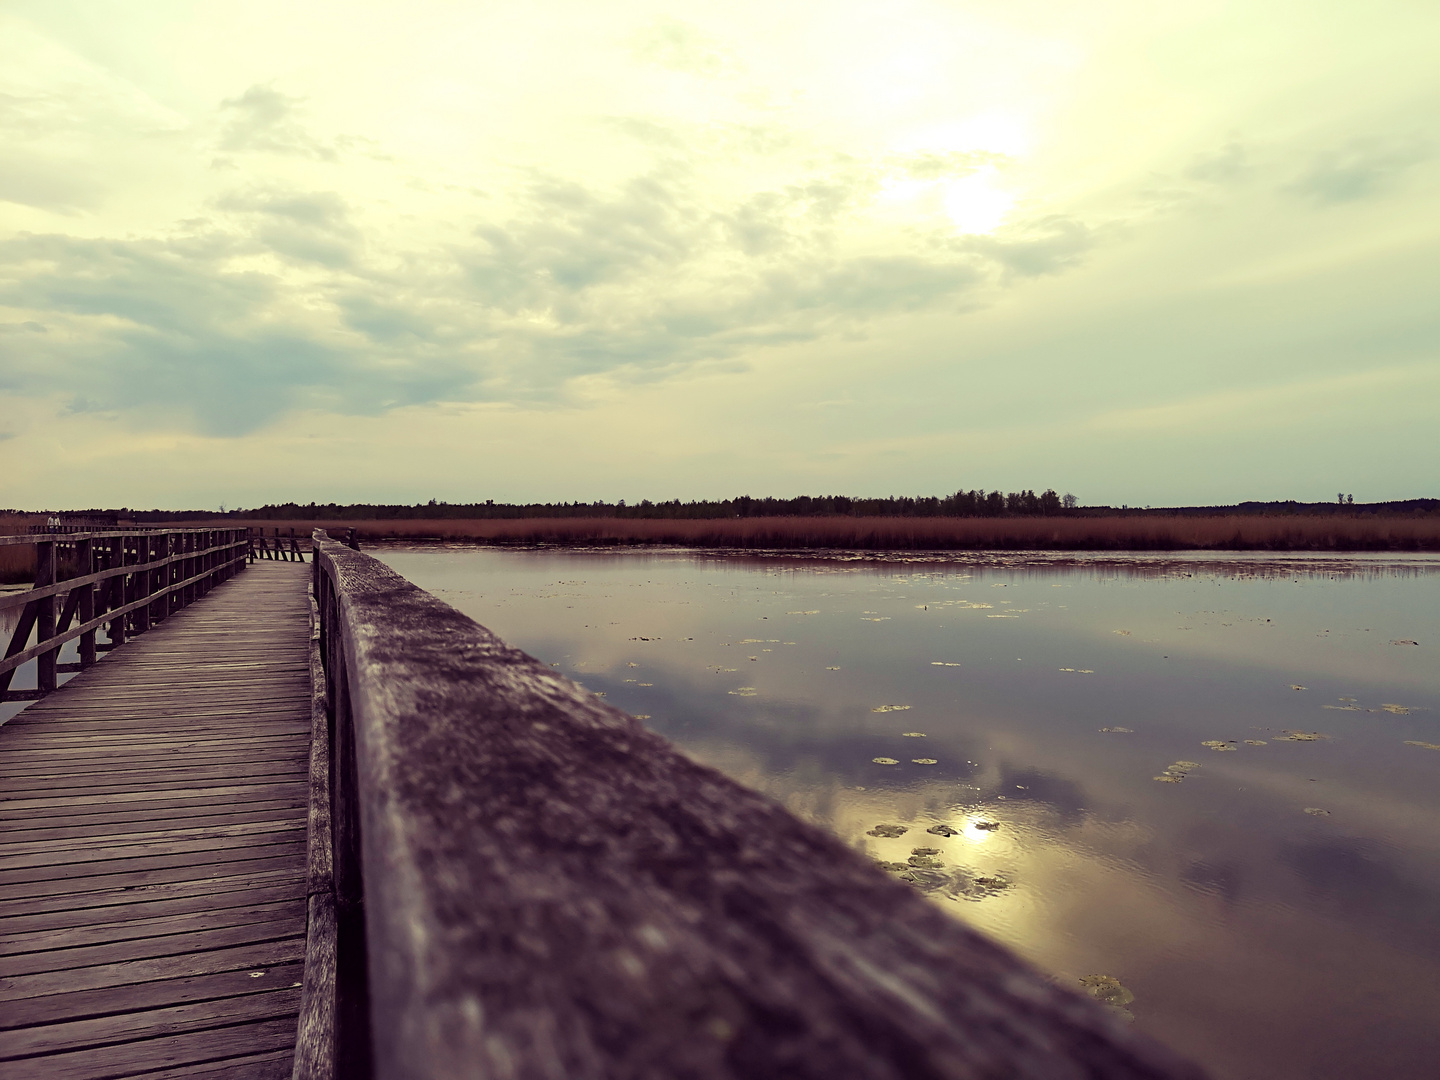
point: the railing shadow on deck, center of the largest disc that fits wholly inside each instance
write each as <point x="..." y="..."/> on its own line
<point x="527" y="883"/>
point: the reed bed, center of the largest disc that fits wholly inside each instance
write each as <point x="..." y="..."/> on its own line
<point x="1073" y="533"/>
<point x="17" y="564"/>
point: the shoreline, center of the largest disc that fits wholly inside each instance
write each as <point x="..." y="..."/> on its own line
<point x="1228" y="533"/>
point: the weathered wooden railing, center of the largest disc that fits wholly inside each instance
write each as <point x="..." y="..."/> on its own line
<point x="528" y="884"/>
<point x="284" y="548"/>
<point x="121" y="580"/>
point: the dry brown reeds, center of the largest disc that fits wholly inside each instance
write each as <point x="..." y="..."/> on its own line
<point x="17" y="564"/>
<point x="1118" y="533"/>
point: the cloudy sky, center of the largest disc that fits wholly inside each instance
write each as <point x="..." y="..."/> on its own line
<point x="1147" y="252"/>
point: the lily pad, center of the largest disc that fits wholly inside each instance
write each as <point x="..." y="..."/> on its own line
<point x="943" y="830"/>
<point x="1216" y="744"/>
<point x="642" y="716"/>
<point x="1107" y="989"/>
<point x="1119" y="730"/>
<point x="925" y="851"/>
<point x="1403" y="641"/>
<point x="1177" y="771"/>
<point x="986" y="826"/>
<point x="890" y="708"/>
<point x="926" y="862"/>
<point x="1301" y="736"/>
<point x="886" y="761"/>
<point x="1423" y="745"/>
<point x="1315" y="811"/>
<point x="1255" y="742"/>
<point x="1297" y="686"/>
<point x="895" y="867"/>
<point x="832" y="669"/>
<point x="976" y="887"/>
<point x="926" y="880"/>
<point x="924" y="761"/>
<point x="888" y="831"/>
<point x="744" y="691"/>
<point x="913" y="734"/>
<point x="1398" y="710"/>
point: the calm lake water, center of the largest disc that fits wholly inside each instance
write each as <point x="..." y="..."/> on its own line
<point x="1216" y="782"/>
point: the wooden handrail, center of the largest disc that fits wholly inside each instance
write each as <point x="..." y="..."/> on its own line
<point x="127" y="580"/>
<point x="527" y="883"/>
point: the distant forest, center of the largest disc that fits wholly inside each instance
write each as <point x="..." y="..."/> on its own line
<point x="962" y="504"/>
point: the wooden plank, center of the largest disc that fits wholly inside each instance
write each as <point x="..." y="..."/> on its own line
<point x="50" y="881"/>
<point x="255" y="956"/>
<point x="133" y="780"/>
<point x="275" y="1065"/>
<point x="147" y="833"/>
<point x="155" y="842"/>
<point x="13" y="942"/>
<point x="199" y="896"/>
<point x="228" y="791"/>
<point x="239" y="980"/>
<point x="172" y="1051"/>
<point x="121" y="820"/>
<point x="182" y="943"/>
<point x="117" y="763"/>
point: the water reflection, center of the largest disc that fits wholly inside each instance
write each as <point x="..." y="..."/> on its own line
<point x="1027" y="704"/>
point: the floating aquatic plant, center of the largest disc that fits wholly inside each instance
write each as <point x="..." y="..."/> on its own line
<point x="886" y="761"/>
<point x="1109" y="991"/>
<point x="888" y="831"/>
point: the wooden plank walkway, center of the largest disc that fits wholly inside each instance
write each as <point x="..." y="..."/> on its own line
<point x="152" y="849"/>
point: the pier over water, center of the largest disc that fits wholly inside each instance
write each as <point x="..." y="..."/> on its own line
<point x="152" y="848"/>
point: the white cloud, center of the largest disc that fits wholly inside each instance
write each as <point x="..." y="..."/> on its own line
<point x="950" y="225"/>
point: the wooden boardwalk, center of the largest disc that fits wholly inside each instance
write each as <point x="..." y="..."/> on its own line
<point x="152" y="849"/>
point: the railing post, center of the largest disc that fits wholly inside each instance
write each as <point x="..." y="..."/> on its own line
<point x="45" y="615"/>
<point x="141" y="581"/>
<point x="85" y="551"/>
<point x="115" y="556"/>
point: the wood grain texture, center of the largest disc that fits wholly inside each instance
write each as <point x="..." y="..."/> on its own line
<point x="315" y="1039"/>
<point x="153" y="845"/>
<point x="552" y="891"/>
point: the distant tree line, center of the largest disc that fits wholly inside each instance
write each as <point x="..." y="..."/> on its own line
<point x="976" y="503"/>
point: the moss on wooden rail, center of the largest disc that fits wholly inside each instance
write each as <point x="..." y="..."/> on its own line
<point x="551" y="890"/>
